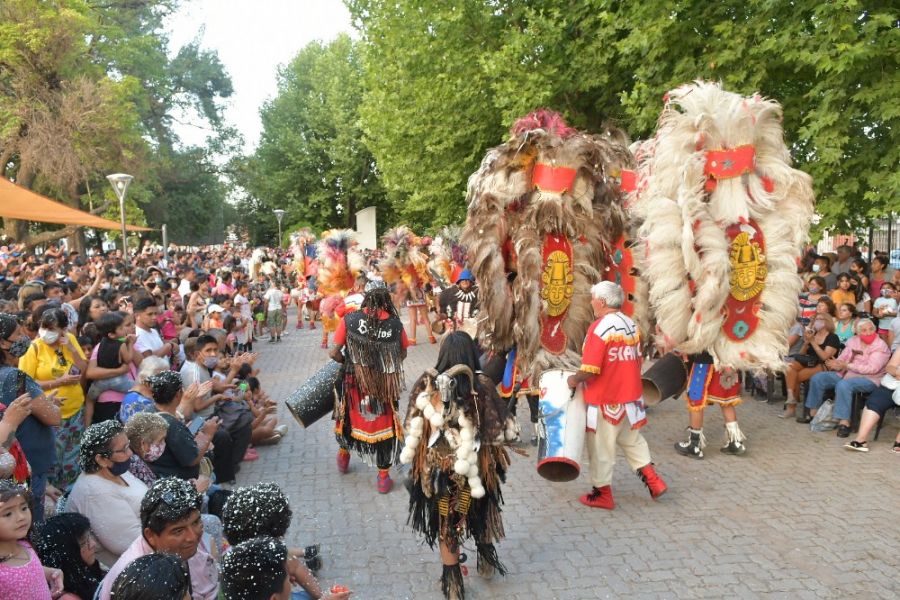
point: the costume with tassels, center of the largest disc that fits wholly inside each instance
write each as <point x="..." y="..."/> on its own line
<point x="372" y="345"/>
<point x="457" y="426"/>
<point x="339" y="267"/>
<point x="405" y="264"/>
<point x="723" y="219"/>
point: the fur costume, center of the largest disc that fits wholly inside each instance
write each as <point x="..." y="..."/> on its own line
<point x="723" y="218"/>
<point x="543" y="212"/>
<point x="261" y="263"/>
<point x="455" y="446"/>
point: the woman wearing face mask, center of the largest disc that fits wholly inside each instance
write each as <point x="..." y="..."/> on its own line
<point x="35" y="433"/>
<point x="815" y="289"/>
<point x="147" y="436"/>
<point x="859" y="268"/>
<point x="819" y="344"/>
<point x="105" y="492"/>
<point x="56" y="362"/>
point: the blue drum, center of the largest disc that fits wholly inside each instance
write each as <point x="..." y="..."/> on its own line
<point x="561" y="427"/>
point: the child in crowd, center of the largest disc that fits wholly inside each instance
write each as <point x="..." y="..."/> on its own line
<point x="66" y="542"/>
<point x="244" y="333"/>
<point x="22" y="577"/>
<point x="885" y="309"/>
<point x="115" y="353"/>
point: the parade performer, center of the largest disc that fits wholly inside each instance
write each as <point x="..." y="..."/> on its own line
<point x="611" y="375"/>
<point x="447" y="256"/>
<point x="458" y="304"/>
<point x="339" y="266"/>
<point x="724" y="219"/>
<point x="457" y="427"/>
<point x="542" y="217"/>
<point x="372" y="345"/>
<point x="406" y="265"/>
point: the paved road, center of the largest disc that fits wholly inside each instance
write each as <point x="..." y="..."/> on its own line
<point x="797" y="517"/>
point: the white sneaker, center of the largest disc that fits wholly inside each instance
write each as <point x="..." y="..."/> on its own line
<point x="281" y="429"/>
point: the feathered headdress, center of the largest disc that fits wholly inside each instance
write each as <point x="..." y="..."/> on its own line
<point x="543" y="205"/>
<point x="448" y="255"/>
<point x="404" y="259"/>
<point x="724" y="217"/>
<point x="339" y="262"/>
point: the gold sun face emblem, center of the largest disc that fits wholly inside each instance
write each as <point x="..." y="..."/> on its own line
<point x="748" y="268"/>
<point x="558" y="282"/>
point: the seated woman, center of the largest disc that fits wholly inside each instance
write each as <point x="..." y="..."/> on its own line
<point x="455" y="487"/>
<point x="859" y="368"/>
<point x="105" y="492"/>
<point x="66" y="542"/>
<point x="877" y="405"/>
<point x="846" y="319"/>
<point x="183" y="450"/>
<point x="819" y="344"/>
<point x="140" y="398"/>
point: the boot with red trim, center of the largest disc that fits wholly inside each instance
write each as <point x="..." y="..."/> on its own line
<point x="384" y="481"/>
<point x="343" y="460"/>
<point x="599" y="498"/>
<point x="653" y="481"/>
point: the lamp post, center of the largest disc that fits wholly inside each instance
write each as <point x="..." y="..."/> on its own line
<point x="120" y="183"/>
<point x="279" y="214"/>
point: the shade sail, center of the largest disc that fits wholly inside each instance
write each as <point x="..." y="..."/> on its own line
<point x="17" y="202"/>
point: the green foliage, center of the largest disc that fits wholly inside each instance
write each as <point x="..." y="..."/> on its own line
<point x="445" y="78"/>
<point x="311" y="159"/>
<point x="93" y="88"/>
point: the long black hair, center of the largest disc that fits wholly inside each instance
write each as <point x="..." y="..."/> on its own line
<point x="57" y="542"/>
<point x="458" y="348"/>
<point x="376" y="300"/>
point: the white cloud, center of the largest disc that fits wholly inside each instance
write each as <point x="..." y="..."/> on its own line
<point x="253" y="38"/>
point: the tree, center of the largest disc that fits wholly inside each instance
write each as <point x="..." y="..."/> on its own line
<point x="444" y="79"/>
<point x="312" y="161"/>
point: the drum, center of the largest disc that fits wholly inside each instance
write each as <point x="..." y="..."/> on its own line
<point x="667" y="377"/>
<point x="315" y="398"/>
<point x="561" y="425"/>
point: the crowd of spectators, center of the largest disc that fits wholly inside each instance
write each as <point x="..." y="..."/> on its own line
<point x="130" y="396"/>
<point x="845" y="345"/>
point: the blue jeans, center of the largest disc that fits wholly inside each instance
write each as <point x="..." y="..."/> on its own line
<point x="843" y="392"/>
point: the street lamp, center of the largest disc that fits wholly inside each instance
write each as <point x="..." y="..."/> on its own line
<point x="120" y="183"/>
<point x="279" y="214"/>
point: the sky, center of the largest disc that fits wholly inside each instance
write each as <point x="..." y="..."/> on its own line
<point x="253" y="37"/>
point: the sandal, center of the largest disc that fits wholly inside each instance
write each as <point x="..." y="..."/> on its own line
<point x="857" y="446"/>
<point x="896" y="448"/>
<point x="788" y="415"/>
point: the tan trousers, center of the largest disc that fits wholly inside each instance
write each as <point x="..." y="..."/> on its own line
<point x="602" y="449"/>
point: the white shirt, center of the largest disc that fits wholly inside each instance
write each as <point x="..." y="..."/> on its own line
<point x="114" y="511"/>
<point x="148" y="339"/>
<point x="243" y="303"/>
<point x="184" y="288"/>
<point x="274" y="297"/>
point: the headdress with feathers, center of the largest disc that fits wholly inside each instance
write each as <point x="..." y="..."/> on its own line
<point x="404" y="259"/>
<point x="448" y="255"/>
<point x="339" y="262"/>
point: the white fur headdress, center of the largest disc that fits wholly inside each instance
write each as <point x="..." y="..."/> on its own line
<point x="719" y="161"/>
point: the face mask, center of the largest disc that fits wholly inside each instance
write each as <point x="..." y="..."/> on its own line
<point x="886" y="293"/>
<point x="819" y="326"/>
<point x="155" y="451"/>
<point x="816" y="268"/>
<point x="813" y="289"/>
<point x="20" y="347"/>
<point x="868" y="338"/>
<point x="210" y="362"/>
<point x="119" y="468"/>
<point x="49" y="337"/>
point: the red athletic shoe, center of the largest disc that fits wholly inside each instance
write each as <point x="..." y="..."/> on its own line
<point x="599" y="498"/>
<point x="251" y="454"/>
<point x="432" y="339"/>
<point x="312" y="325"/>
<point x="299" y="326"/>
<point x="343" y="460"/>
<point x="654" y="482"/>
<point x="325" y="344"/>
<point x="384" y="481"/>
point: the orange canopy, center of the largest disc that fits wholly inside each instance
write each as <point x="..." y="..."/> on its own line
<point x="17" y="202"/>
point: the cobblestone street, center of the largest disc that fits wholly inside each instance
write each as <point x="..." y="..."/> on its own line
<point x="797" y="517"/>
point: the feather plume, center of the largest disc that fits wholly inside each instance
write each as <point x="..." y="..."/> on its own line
<point x="339" y="261"/>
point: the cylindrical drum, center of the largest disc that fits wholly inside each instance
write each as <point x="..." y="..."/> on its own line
<point x="561" y="426"/>
<point x="315" y="398"/>
<point x="665" y="379"/>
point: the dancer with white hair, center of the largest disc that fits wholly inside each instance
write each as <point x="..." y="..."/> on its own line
<point x="611" y="375"/>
